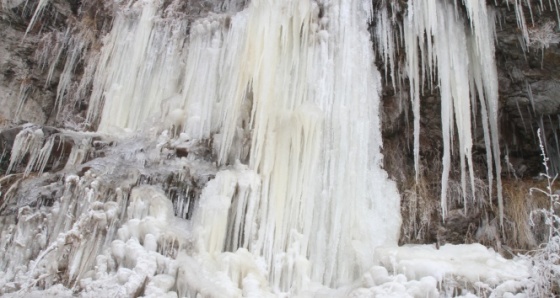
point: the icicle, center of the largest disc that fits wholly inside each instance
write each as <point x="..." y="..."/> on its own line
<point x="37" y="14"/>
<point x="521" y="22"/>
<point x="39" y="161"/>
<point x="212" y="215"/>
<point x="135" y="74"/>
<point x="386" y="43"/>
<point x="60" y="43"/>
<point x="522" y="118"/>
<point x="78" y="153"/>
<point x="75" y="50"/>
<point x="24" y="91"/>
<point x="28" y="143"/>
<point x="483" y="22"/>
<point x="554" y="155"/>
<point x="411" y="43"/>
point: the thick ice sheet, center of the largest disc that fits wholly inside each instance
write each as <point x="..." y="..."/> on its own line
<point x="471" y="262"/>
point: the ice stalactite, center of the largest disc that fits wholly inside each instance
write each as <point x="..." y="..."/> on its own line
<point x="458" y="52"/>
<point x="27" y="142"/>
<point x="40" y="7"/>
<point x="387" y="33"/>
<point x="36" y="148"/>
<point x="121" y="61"/>
<point x="485" y="76"/>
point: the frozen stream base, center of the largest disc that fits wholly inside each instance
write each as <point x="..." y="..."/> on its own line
<point x="155" y="254"/>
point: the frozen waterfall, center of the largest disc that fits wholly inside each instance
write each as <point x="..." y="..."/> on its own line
<point x="293" y="94"/>
<point x="272" y="110"/>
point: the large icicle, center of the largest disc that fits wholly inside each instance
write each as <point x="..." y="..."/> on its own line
<point x="485" y="76"/>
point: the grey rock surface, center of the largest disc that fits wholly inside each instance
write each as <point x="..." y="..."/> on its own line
<point x="22" y="96"/>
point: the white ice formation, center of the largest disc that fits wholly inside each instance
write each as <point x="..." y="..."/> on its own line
<point x="280" y="88"/>
<point x="286" y="94"/>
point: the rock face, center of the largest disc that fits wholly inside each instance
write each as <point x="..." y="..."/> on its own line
<point x="23" y="95"/>
<point x="34" y="61"/>
<point x="530" y="89"/>
<point x="34" y="53"/>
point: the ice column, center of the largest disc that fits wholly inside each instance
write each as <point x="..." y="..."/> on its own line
<point x="293" y="85"/>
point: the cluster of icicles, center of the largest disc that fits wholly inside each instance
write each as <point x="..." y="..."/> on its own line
<point x="287" y="93"/>
<point x="456" y="55"/>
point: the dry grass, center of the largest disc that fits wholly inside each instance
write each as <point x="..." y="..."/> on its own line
<point x="4" y="122"/>
<point x="420" y="212"/>
<point x="523" y="229"/>
<point x="519" y="202"/>
<point x="420" y="208"/>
